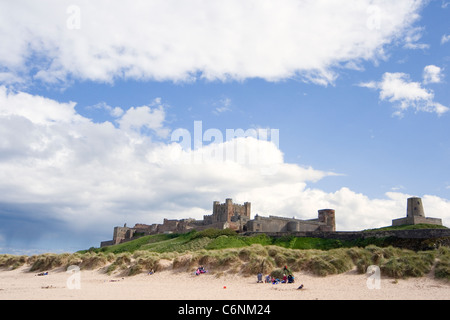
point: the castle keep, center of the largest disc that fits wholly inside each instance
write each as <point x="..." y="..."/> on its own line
<point x="228" y="215"/>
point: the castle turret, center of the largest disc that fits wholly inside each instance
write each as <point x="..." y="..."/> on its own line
<point x="248" y="209"/>
<point x="414" y="207"/>
<point x="327" y="219"/>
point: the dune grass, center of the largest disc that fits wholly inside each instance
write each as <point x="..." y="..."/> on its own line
<point x="442" y="267"/>
<point x="250" y="260"/>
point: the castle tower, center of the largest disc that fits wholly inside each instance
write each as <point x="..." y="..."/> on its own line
<point x="327" y="219"/>
<point x="414" y="207"/>
<point x="247" y="210"/>
<point x="415" y="214"/>
<point x="229" y="209"/>
<point x="228" y="212"/>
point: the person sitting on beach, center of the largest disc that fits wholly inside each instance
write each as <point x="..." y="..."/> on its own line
<point x="259" y="277"/>
<point x="284" y="279"/>
<point x="200" y="270"/>
<point x="286" y="270"/>
<point x="268" y="278"/>
<point x="290" y="278"/>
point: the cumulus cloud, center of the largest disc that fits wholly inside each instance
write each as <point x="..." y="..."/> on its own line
<point x="136" y="118"/>
<point x="399" y="89"/>
<point x="113" y="111"/>
<point x="59" y="41"/>
<point x="432" y="74"/>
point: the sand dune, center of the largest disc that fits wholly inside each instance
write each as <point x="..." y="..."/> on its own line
<point x="170" y="285"/>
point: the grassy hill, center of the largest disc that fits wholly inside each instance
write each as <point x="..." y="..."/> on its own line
<point x="214" y="239"/>
<point x="224" y="251"/>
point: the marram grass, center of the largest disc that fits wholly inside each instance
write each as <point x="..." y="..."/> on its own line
<point x="250" y="260"/>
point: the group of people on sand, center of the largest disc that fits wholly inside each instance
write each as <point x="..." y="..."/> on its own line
<point x="200" y="270"/>
<point x="289" y="278"/>
<point x="286" y="279"/>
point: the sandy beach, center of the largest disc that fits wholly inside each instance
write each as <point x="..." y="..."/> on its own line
<point x="58" y="284"/>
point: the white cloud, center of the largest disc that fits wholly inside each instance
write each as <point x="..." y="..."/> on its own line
<point x="223" y="105"/>
<point x="412" y="37"/>
<point x="445" y="38"/>
<point x="183" y="41"/>
<point x="39" y="110"/>
<point x="406" y="94"/>
<point x="113" y="111"/>
<point x="399" y="87"/>
<point x="432" y="74"/>
<point x="433" y="206"/>
<point x="136" y="118"/>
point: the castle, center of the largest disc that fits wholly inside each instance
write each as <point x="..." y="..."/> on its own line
<point x="237" y="217"/>
<point x="227" y="215"/>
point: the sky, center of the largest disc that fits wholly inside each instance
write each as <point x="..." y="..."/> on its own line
<point x="114" y="112"/>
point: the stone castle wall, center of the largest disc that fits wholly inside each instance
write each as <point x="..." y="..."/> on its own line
<point x="355" y="235"/>
<point x="324" y="222"/>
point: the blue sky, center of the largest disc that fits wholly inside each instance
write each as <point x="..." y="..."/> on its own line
<point x="91" y="94"/>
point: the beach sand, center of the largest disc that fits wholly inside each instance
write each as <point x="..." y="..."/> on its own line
<point x="171" y="285"/>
